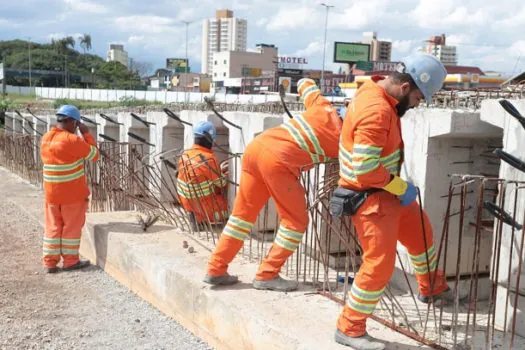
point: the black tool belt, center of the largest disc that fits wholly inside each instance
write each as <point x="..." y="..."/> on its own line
<point x="345" y="202"/>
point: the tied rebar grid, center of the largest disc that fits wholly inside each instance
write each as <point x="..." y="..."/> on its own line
<point x="20" y="153"/>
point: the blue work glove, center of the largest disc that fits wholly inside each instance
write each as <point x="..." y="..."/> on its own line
<point x="409" y="196"/>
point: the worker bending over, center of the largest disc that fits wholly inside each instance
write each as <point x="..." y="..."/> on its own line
<point x="66" y="192"/>
<point x="370" y="158"/>
<point x="271" y="166"/>
<point x="201" y="183"/>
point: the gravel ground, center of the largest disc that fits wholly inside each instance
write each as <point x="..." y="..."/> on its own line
<point x="71" y="310"/>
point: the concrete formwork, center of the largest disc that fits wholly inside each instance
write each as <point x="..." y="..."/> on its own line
<point x="510" y="295"/>
<point x="168" y="136"/>
<point x="9" y="121"/>
<point x="17" y="124"/>
<point x="108" y="128"/>
<point x="439" y="143"/>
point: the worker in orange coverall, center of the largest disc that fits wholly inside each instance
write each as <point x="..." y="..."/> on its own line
<point x="271" y="167"/>
<point x="201" y="184"/>
<point x="370" y="157"/>
<point x="63" y="154"/>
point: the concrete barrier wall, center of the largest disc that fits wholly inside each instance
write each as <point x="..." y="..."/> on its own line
<point x="510" y="259"/>
<point x="436" y="143"/>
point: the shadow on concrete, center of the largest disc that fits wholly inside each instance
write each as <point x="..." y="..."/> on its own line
<point x="91" y="268"/>
<point x="237" y="286"/>
<point x="399" y="346"/>
<point x="131" y="228"/>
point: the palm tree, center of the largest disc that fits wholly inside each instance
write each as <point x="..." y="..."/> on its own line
<point x="69" y="41"/>
<point x="85" y="42"/>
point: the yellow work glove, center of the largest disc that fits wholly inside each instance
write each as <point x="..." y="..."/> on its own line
<point x="396" y="186"/>
<point x="406" y="191"/>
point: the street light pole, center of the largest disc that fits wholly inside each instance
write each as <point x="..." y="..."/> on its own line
<point x="187" y="64"/>
<point x="324" y="45"/>
<point x="29" y="45"/>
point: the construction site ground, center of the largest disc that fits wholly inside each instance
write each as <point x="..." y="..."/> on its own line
<point x="88" y="309"/>
<point x="74" y="310"/>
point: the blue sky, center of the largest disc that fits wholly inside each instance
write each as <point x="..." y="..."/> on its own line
<point x="488" y="33"/>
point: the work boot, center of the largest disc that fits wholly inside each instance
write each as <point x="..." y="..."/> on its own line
<point x="364" y="342"/>
<point x="277" y="284"/>
<point x="224" y="280"/>
<point x="444" y="298"/>
<point x="51" y="269"/>
<point x="79" y="265"/>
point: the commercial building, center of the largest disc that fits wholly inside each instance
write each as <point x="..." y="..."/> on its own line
<point x="222" y="33"/>
<point x="117" y="53"/>
<point x="235" y="64"/>
<point x="379" y="50"/>
<point x="437" y="46"/>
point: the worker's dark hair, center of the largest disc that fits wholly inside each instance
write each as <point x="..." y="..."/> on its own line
<point x="204" y="141"/>
<point x="401" y="78"/>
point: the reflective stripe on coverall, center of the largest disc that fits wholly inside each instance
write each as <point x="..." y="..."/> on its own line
<point x="66" y="193"/>
<point x="200" y="188"/>
<point x="371" y="150"/>
<point x="271" y="166"/>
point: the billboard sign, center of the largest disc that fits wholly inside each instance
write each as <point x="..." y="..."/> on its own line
<point x="291" y="62"/>
<point x="179" y="65"/>
<point x="351" y="52"/>
<point x="1" y="71"/>
<point x="377" y="66"/>
<point x="286" y="82"/>
<point x="251" y="72"/>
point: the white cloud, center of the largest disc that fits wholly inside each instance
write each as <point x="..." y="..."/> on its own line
<point x="292" y="18"/>
<point x="458" y="39"/>
<point x="135" y="39"/>
<point x="517" y="49"/>
<point x="313" y="48"/>
<point x="261" y="22"/>
<point x="514" y="21"/>
<point x="145" y="23"/>
<point x="56" y="36"/>
<point x="446" y="13"/>
<point x="86" y="6"/>
<point x="403" y="46"/>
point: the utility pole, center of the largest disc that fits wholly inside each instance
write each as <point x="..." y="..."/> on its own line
<point x="187" y="23"/>
<point x="324" y="46"/>
<point x="29" y="45"/>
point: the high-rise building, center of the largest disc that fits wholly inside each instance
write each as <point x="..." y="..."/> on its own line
<point x="222" y="33"/>
<point x="379" y="50"/>
<point x="437" y="46"/>
<point x="116" y="53"/>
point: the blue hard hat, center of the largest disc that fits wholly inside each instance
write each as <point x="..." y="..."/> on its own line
<point x="69" y="111"/>
<point x="204" y="127"/>
<point x="427" y="72"/>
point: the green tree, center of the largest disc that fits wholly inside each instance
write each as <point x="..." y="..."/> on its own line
<point x="85" y="42"/>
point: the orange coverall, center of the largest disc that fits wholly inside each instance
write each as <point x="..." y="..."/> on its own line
<point x="66" y="193"/>
<point x="200" y="187"/>
<point x="371" y="150"/>
<point x="271" y="166"/>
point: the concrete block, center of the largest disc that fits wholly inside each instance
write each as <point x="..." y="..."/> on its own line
<point x="505" y="305"/>
<point x="154" y="266"/>
<point x="168" y="136"/>
<point x="108" y="128"/>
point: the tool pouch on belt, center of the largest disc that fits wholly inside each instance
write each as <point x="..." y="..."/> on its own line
<point x="346" y="202"/>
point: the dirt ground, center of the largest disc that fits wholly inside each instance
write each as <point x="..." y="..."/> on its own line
<point x="71" y="310"/>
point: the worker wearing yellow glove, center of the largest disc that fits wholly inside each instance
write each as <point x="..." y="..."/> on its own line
<point x="370" y="158"/>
